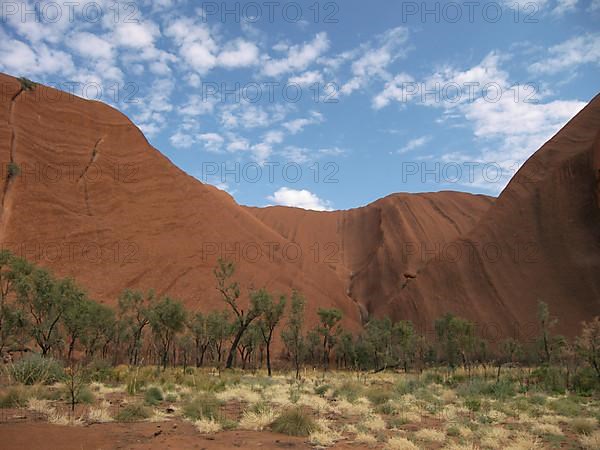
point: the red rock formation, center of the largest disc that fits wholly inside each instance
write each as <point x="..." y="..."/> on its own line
<point x="95" y="201"/>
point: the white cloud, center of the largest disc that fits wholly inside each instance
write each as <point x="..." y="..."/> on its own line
<point x="90" y="46"/>
<point x="136" y="35"/>
<point x="297" y="125"/>
<point x="196" y="45"/>
<point x="238" y="53"/>
<point x="570" y="54"/>
<point x="182" y="140"/>
<point x="374" y="61"/>
<point x="298" y="58"/>
<point x="19" y="58"/>
<point x="394" y="89"/>
<point x="414" y="144"/>
<point x="299" y="199"/>
<point x="564" y="6"/>
<point x="212" y="141"/>
<point x="307" y="78"/>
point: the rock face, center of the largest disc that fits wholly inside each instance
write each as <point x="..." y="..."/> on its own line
<point x="96" y="202"/>
<point x="93" y="200"/>
<point x="377" y="249"/>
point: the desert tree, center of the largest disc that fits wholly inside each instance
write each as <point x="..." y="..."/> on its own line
<point x="102" y="329"/>
<point x="292" y="336"/>
<point x="456" y="337"/>
<point x="403" y="343"/>
<point x="508" y="351"/>
<point x="12" y="319"/>
<point x="550" y="344"/>
<point x="75" y="380"/>
<point x="251" y="340"/>
<point x="220" y="330"/>
<point x="76" y="319"/>
<point x="167" y="318"/>
<point x="272" y="312"/>
<point x="329" y="329"/>
<point x="230" y="293"/>
<point x="588" y="343"/>
<point x="134" y="311"/>
<point x="198" y="325"/>
<point x="44" y="299"/>
<point x="345" y="351"/>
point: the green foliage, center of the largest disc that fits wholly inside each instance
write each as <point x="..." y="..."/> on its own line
<point x="549" y="379"/>
<point x="586" y="381"/>
<point x="153" y="396"/>
<point x="292" y="337"/>
<point x="378" y="395"/>
<point x="565" y="407"/>
<point x="15" y="397"/>
<point x="582" y="425"/>
<point x="473" y="404"/>
<point x="350" y="390"/>
<point x="294" y="422"/>
<point x="133" y="413"/>
<point x="27" y="84"/>
<point x="203" y="406"/>
<point x="167" y="318"/>
<point x="35" y="369"/>
<point x="13" y="170"/>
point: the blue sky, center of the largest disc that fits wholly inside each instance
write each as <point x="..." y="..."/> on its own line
<point x="357" y="99"/>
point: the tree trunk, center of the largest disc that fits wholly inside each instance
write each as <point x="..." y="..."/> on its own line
<point x="236" y="341"/>
<point x="269" y="358"/>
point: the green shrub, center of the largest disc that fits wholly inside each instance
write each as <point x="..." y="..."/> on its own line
<point x="84" y="396"/>
<point x="378" y="395"/>
<point x="27" y="84"/>
<point x="153" y="396"/>
<point x="13" y="170"/>
<point x="203" y="406"/>
<point x="321" y="389"/>
<point x="585" y="381"/>
<point x="171" y="397"/>
<point x="473" y="404"/>
<point x="15" y="397"/>
<point x="565" y="407"/>
<point x="133" y="413"/>
<point x="538" y="399"/>
<point x="406" y="386"/>
<point x="582" y="425"/>
<point x="294" y="422"/>
<point x="349" y="390"/>
<point x="550" y="379"/>
<point x="34" y="369"/>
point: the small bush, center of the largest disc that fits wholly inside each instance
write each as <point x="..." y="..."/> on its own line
<point x="294" y="422"/>
<point x="550" y="379"/>
<point x="406" y="387"/>
<point x="582" y="425"/>
<point x="321" y="390"/>
<point x="15" y="397"/>
<point x="585" y="381"/>
<point x="153" y="396"/>
<point x="13" y="170"/>
<point x="378" y="396"/>
<point x="34" y="369"/>
<point x="203" y="406"/>
<point x="133" y="413"/>
<point x="348" y="390"/>
<point x="84" y="395"/>
<point x="473" y="404"/>
<point x="27" y="84"/>
<point x="565" y="407"/>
